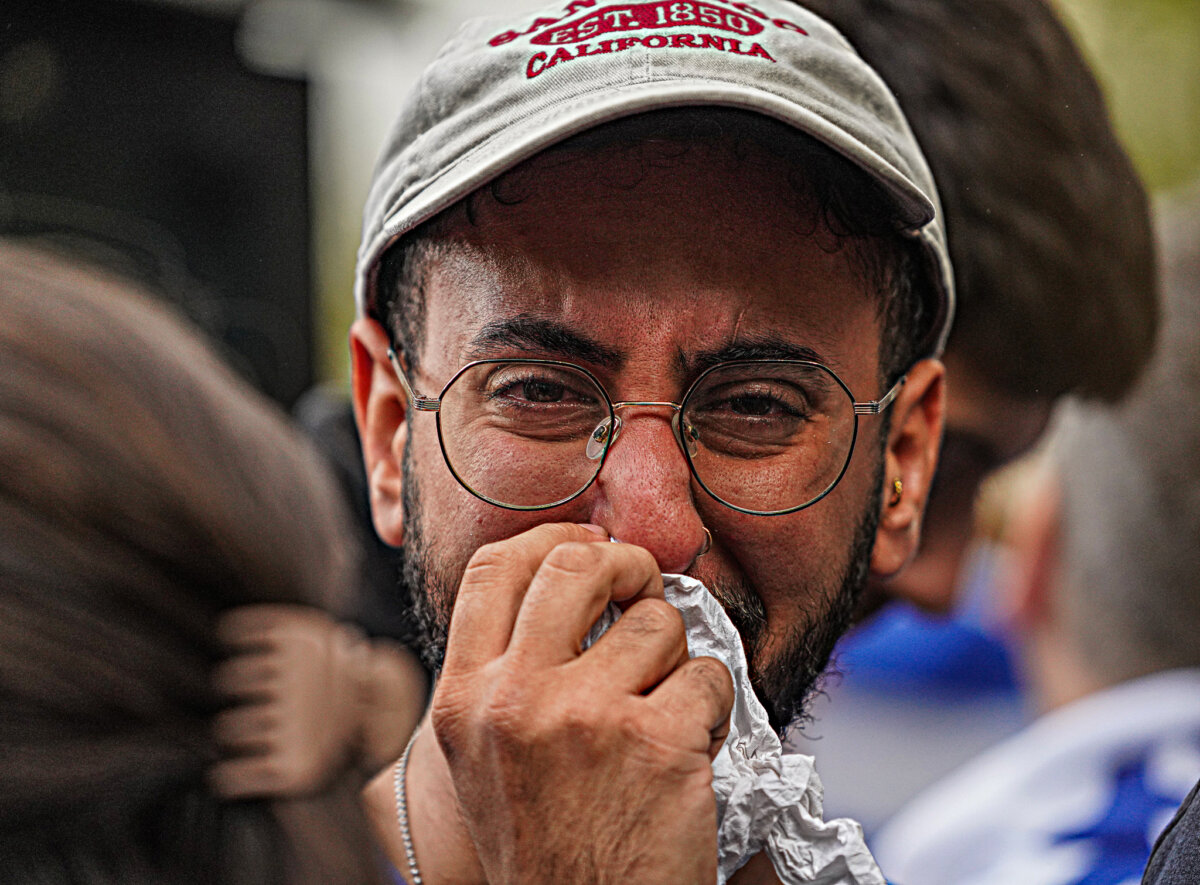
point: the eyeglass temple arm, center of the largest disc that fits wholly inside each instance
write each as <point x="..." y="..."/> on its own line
<point x="418" y="401"/>
<point x="874" y="407"/>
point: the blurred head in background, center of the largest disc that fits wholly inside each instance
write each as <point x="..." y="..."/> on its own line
<point x="1110" y="543"/>
<point x="144" y="491"/>
<point x="1048" y="229"/>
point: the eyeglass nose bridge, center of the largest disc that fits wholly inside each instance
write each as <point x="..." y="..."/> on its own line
<point x="607" y="431"/>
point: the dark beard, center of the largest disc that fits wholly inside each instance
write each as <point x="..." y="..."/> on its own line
<point x="783" y="684"/>
<point x="431" y="592"/>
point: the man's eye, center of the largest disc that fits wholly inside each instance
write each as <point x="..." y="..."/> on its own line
<point x="756" y="402"/>
<point x="543" y="391"/>
<point x="756" y="405"/>
<point x="538" y="389"/>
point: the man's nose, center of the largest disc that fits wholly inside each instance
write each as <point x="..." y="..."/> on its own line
<point x="646" y="493"/>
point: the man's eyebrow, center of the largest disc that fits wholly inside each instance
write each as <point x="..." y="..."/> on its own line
<point x="528" y="332"/>
<point x="765" y="347"/>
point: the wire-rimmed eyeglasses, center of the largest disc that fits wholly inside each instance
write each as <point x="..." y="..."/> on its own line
<point x="764" y="437"/>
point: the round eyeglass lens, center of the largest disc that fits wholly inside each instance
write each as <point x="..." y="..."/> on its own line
<point x="517" y="433"/>
<point x="768" y="437"/>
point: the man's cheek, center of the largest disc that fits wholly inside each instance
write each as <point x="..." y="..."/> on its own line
<point x="459" y="524"/>
<point x="783" y="557"/>
<point x="791" y="544"/>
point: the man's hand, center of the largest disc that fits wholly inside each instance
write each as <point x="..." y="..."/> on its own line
<point x="573" y="766"/>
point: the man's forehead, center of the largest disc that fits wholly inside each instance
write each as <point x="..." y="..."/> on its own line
<point x="656" y="169"/>
<point x="481" y="306"/>
<point x="649" y="205"/>
<point x="732" y="226"/>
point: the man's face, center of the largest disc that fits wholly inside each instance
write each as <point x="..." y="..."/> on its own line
<point x="638" y="264"/>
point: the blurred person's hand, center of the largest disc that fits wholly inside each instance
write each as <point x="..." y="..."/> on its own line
<point x="311" y="696"/>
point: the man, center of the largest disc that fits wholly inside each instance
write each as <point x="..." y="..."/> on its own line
<point x="1106" y="596"/>
<point x="636" y="259"/>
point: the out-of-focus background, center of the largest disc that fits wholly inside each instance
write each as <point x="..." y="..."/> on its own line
<point x="220" y="151"/>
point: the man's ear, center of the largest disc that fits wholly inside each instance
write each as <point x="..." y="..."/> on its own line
<point x="911" y="459"/>
<point x="380" y="405"/>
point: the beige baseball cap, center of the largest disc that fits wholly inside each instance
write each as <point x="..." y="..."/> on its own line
<point x="503" y="90"/>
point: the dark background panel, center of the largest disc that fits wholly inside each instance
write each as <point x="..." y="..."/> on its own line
<point x="135" y="132"/>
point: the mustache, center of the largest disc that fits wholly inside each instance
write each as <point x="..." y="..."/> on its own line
<point x="745" y="609"/>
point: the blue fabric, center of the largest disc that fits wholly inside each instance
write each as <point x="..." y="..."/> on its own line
<point x="1120" y="835"/>
<point x="904" y="651"/>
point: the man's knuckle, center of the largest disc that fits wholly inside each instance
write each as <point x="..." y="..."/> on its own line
<point x="712" y="676"/>
<point x="490" y="564"/>
<point x="503" y="706"/>
<point x="452" y="703"/>
<point x="491" y="557"/>
<point x="497" y="703"/>
<point x="632" y="724"/>
<point x="655" y="617"/>
<point x="579" y="713"/>
<point x="575" y="558"/>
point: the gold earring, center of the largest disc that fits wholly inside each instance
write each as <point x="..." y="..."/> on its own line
<point x="897" y="492"/>
<point x="707" y="542"/>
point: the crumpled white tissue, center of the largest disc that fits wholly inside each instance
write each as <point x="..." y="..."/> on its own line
<point x="765" y="800"/>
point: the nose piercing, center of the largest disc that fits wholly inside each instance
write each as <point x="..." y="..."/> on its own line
<point x="707" y="542"/>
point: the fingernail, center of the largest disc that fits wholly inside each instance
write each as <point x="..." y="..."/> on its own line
<point x="599" y="530"/>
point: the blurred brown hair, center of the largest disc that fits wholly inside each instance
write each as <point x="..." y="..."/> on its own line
<point x="1130" y="486"/>
<point x="1047" y="220"/>
<point x="143" y="490"/>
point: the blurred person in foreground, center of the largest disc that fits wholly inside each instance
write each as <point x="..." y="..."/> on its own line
<point x="1049" y="233"/>
<point x="144" y="493"/>
<point x="378" y="603"/>
<point x="621" y="270"/>
<point x="1105" y="591"/>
